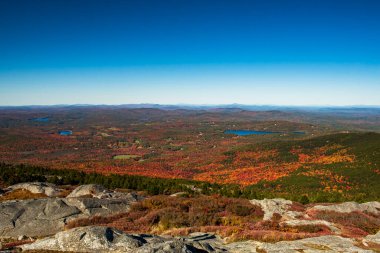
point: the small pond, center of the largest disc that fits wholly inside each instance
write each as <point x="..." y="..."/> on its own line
<point x="42" y="119"/>
<point x="65" y="132"/>
<point x="248" y="132"/>
<point x="254" y="132"/>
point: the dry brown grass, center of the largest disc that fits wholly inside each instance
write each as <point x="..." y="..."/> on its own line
<point x="310" y="228"/>
<point x="21" y="194"/>
<point x="267" y="236"/>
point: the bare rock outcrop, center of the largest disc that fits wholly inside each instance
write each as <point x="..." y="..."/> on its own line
<point x="48" y="189"/>
<point x="99" y="192"/>
<point x="330" y="243"/>
<point x="88" y="239"/>
<point x="47" y="216"/>
<point x="348" y="207"/>
<point x="38" y="217"/>
<point x="103" y="239"/>
<point x="279" y="206"/>
<point x="95" y="206"/>
<point x="90" y="190"/>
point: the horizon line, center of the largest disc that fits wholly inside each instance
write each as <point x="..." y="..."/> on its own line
<point x="190" y="105"/>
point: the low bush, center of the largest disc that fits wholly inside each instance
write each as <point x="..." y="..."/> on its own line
<point x="306" y="229"/>
<point x="360" y="220"/>
<point x="235" y="219"/>
<point x="161" y="213"/>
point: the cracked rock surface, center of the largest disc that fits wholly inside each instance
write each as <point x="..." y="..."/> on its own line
<point x="104" y="239"/>
<point x="44" y="217"/>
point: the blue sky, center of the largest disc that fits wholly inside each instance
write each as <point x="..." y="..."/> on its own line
<point x="196" y="52"/>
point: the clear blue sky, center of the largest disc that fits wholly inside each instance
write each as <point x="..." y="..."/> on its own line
<point x="284" y="52"/>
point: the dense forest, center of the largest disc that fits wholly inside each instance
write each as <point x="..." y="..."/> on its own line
<point x="334" y="181"/>
<point x="310" y="156"/>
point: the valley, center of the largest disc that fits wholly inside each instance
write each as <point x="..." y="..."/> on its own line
<point x="297" y="152"/>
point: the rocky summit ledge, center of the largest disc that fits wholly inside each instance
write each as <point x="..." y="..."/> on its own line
<point x="47" y="216"/>
<point x="38" y="224"/>
<point x="105" y="239"/>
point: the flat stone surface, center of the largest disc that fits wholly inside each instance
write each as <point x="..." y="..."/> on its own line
<point x="103" y="239"/>
<point x="44" y="217"/>
<point x="348" y="207"/>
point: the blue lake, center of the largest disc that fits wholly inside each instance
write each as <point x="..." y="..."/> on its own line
<point x="254" y="132"/>
<point x="65" y="132"/>
<point x="248" y="132"/>
<point x="43" y="119"/>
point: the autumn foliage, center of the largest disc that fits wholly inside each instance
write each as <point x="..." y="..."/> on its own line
<point x="235" y="219"/>
<point x="193" y="145"/>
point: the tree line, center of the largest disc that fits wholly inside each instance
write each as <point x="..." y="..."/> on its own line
<point x="17" y="173"/>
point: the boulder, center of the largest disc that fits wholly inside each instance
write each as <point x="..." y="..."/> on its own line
<point x="172" y="246"/>
<point x="194" y="243"/>
<point x="44" y="217"/>
<point x="95" y="206"/>
<point x="279" y="206"/>
<point x="89" y="190"/>
<point x="88" y="239"/>
<point x="96" y="191"/>
<point x="50" y="190"/>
